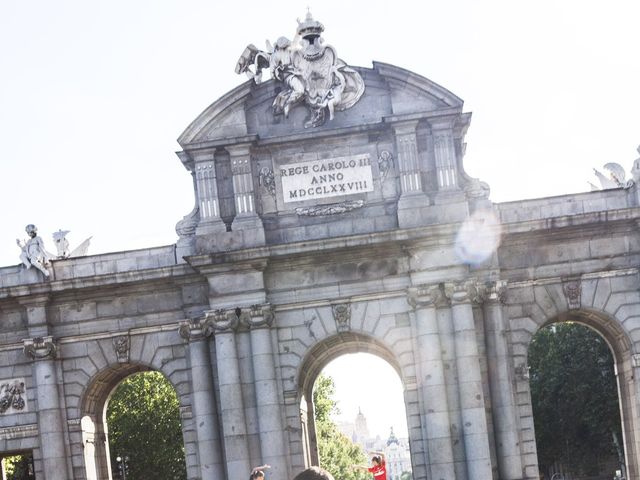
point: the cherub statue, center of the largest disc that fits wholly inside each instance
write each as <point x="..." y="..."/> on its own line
<point x="33" y="251"/>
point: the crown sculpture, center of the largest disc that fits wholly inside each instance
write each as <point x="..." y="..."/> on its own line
<point x="311" y="71"/>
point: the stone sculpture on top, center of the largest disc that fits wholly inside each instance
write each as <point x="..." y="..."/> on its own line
<point x="311" y="71"/>
<point x="33" y="252"/>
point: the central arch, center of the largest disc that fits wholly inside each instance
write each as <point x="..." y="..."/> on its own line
<point x="319" y="357"/>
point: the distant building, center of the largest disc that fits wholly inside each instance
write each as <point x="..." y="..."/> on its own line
<point x="362" y="430"/>
<point x="398" y="457"/>
<point x="396" y="450"/>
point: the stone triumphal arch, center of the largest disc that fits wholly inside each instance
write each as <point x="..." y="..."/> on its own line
<point x="332" y="214"/>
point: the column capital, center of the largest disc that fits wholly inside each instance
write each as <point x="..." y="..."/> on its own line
<point x="424" y="296"/>
<point x="196" y="328"/>
<point x="239" y="149"/>
<point x="493" y="292"/>
<point x="257" y="316"/>
<point x="40" y="348"/>
<point x="223" y="320"/>
<point x="407" y="127"/>
<point x="462" y="292"/>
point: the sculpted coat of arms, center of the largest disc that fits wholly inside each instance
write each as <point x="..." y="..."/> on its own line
<point x="311" y="71"/>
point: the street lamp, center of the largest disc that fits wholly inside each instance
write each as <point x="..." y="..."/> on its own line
<point x="123" y="466"/>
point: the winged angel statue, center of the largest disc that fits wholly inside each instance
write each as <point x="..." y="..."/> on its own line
<point x="312" y="72"/>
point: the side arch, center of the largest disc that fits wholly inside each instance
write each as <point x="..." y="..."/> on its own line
<point x="602" y="304"/>
<point x="93" y="369"/>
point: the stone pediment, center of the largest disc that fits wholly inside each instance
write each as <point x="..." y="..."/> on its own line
<point x="322" y="150"/>
<point x="247" y="109"/>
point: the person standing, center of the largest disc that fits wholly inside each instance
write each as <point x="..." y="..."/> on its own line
<point x="378" y="466"/>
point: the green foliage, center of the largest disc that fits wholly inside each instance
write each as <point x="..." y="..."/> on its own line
<point x="575" y="397"/>
<point x="337" y="452"/>
<point x="19" y="467"/>
<point x="143" y="417"/>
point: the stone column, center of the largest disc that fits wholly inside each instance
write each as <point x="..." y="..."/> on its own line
<point x="432" y="383"/>
<point x="50" y="423"/>
<point x="205" y="415"/>
<point x="259" y="320"/>
<point x="447" y="342"/>
<point x="501" y="383"/>
<point x="474" y="420"/>
<point x="234" y="425"/>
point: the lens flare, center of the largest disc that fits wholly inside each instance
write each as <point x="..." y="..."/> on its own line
<point x="478" y="237"/>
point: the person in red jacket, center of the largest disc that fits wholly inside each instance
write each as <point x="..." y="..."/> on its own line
<point x="378" y="466"/>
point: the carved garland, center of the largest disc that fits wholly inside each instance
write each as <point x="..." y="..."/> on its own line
<point x="332" y="209"/>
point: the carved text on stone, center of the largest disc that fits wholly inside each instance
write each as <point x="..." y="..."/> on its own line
<point x="326" y="178"/>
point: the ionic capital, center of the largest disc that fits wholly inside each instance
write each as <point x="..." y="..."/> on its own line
<point x="223" y="320"/>
<point x="462" y="292"/>
<point x="257" y="316"/>
<point x="425" y="296"/>
<point x="40" y="348"/>
<point x="493" y="292"/>
<point x="195" y="329"/>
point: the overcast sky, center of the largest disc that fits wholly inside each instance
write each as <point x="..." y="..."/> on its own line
<point x="93" y="95"/>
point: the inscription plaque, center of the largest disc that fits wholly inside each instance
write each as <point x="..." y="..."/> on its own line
<point x="331" y="177"/>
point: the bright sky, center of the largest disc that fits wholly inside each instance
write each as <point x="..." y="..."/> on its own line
<point x="94" y="94"/>
<point x="366" y="382"/>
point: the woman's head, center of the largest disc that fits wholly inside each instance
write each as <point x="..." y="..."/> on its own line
<point x="376" y="460"/>
<point x="257" y="475"/>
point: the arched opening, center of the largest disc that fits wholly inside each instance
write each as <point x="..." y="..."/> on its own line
<point x="371" y="394"/>
<point x="18" y="466"/>
<point x="126" y="411"/>
<point x="579" y="373"/>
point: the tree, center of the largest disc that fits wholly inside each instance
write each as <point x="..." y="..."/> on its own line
<point x="19" y="467"/>
<point x="337" y="452"/>
<point x="143" y="417"/>
<point x="574" y="396"/>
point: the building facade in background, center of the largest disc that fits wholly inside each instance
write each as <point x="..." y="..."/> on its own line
<point x="332" y="215"/>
